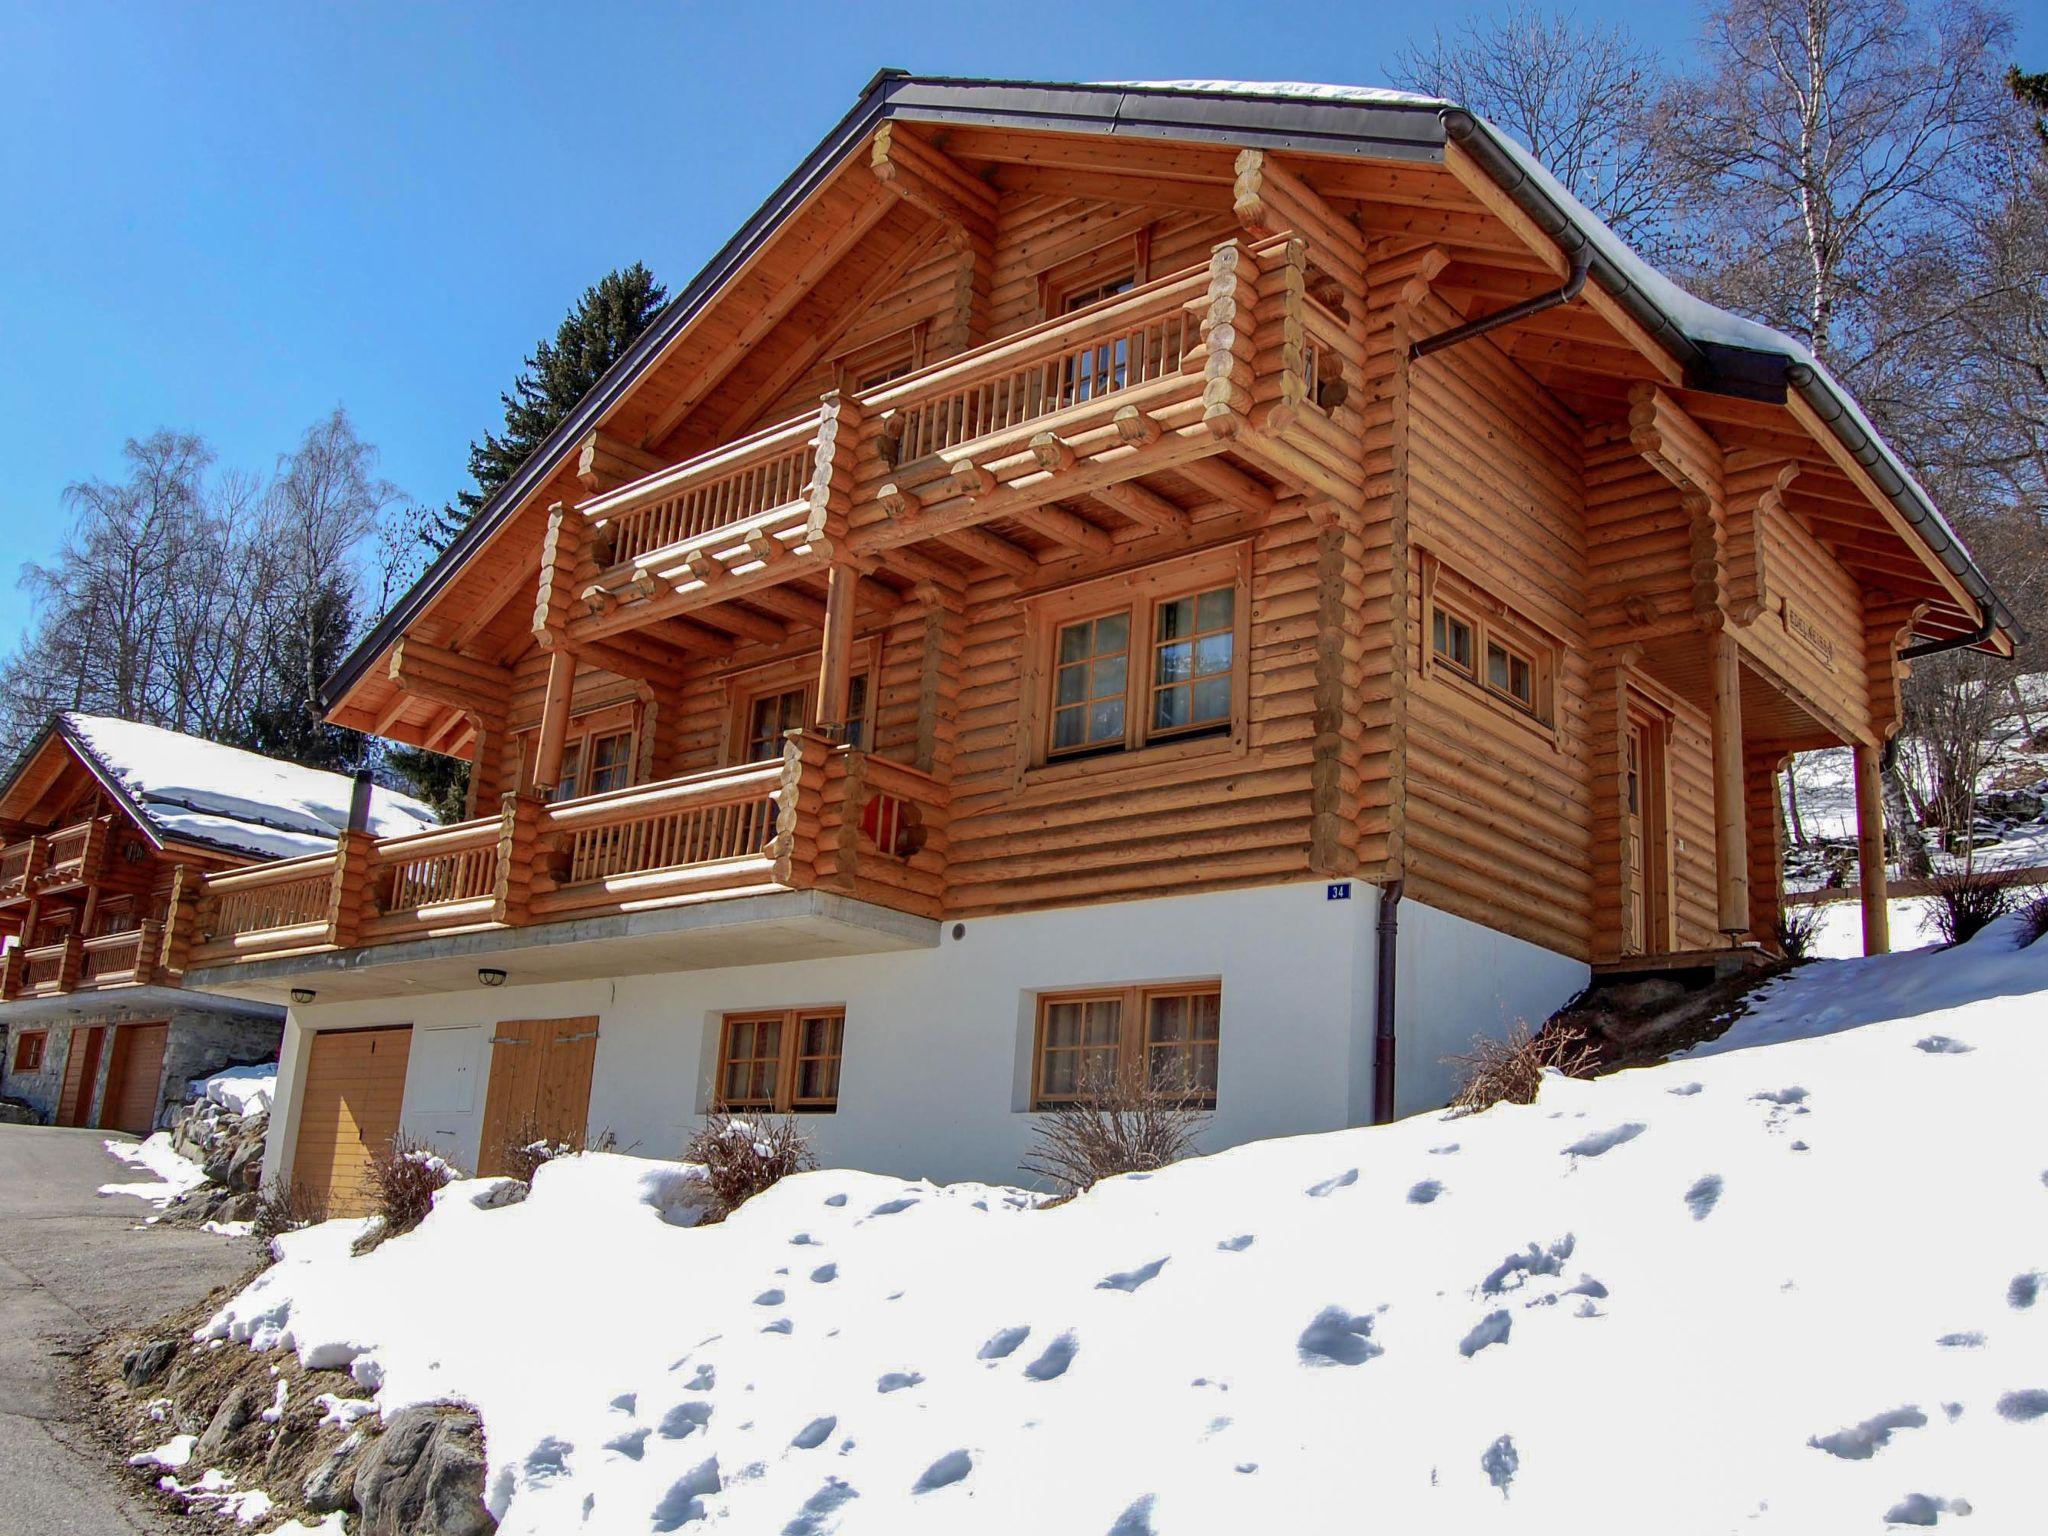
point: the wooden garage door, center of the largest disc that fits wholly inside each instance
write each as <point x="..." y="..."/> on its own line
<point x="133" y="1078"/>
<point x="540" y="1086"/>
<point x="81" y="1074"/>
<point x="348" y="1112"/>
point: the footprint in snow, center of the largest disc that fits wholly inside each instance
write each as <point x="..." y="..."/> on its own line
<point x="627" y="1402"/>
<point x="1328" y="1186"/>
<point x="684" y="1500"/>
<point x="2024" y="1291"/>
<point x="1425" y="1193"/>
<point x="705" y="1379"/>
<point x="769" y="1298"/>
<point x="896" y="1381"/>
<point x="632" y="1444"/>
<point x="1942" y="1045"/>
<point x="1136" y="1520"/>
<point x="943" y="1473"/>
<point x="803" y="1240"/>
<point x="781" y="1325"/>
<point x="1236" y="1244"/>
<point x="1594" y="1143"/>
<point x="1517" y="1269"/>
<point x="1686" y="1090"/>
<point x="838" y="1199"/>
<point x="1337" y="1337"/>
<point x="1053" y="1363"/>
<point x="1490" y="1329"/>
<point x="1961" y="1341"/>
<point x="1860" y="1442"/>
<point x="1447" y="1147"/>
<point x="815" y="1518"/>
<point x="891" y="1207"/>
<point x="685" y="1419"/>
<point x="1500" y="1463"/>
<point x="1130" y="1279"/>
<point x="548" y="1460"/>
<point x="2023" y="1407"/>
<point x="1924" y="1509"/>
<point x="1704" y="1194"/>
<point x="825" y="1274"/>
<point x="815" y="1433"/>
<point x="1952" y="1411"/>
<point x="1003" y="1343"/>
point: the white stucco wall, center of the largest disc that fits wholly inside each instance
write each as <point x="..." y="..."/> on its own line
<point x="936" y="1069"/>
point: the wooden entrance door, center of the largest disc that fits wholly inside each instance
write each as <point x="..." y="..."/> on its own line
<point x="81" y="1074"/>
<point x="134" y="1077"/>
<point x="348" y="1113"/>
<point x="540" y="1086"/>
<point x="1645" y="882"/>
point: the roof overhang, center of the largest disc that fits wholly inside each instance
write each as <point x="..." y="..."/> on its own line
<point x="1323" y="125"/>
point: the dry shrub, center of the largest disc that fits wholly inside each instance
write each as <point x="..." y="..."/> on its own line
<point x="527" y="1146"/>
<point x="1119" y="1123"/>
<point x="1797" y="929"/>
<point x="2033" y="920"/>
<point x="282" y="1208"/>
<point x="745" y="1154"/>
<point x="1510" y="1071"/>
<point x="1969" y="900"/>
<point x="403" y="1179"/>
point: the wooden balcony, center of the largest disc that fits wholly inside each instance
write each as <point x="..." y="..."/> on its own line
<point x="71" y="856"/>
<point x="130" y="958"/>
<point x="822" y="817"/>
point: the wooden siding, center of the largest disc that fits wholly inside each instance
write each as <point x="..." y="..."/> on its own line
<point x="348" y="1113"/>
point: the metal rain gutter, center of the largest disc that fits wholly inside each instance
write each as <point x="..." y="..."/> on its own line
<point x="1582" y="260"/>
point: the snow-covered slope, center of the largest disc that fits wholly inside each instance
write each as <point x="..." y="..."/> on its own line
<point x="1791" y="1287"/>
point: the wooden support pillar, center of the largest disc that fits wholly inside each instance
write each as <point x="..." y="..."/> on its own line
<point x="1731" y="812"/>
<point x="1877" y="922"/>
<point x="554" y="720"/>
<point x="835" y="660"/>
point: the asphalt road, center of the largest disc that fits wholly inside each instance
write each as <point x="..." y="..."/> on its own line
<point x="72" y="1263"/>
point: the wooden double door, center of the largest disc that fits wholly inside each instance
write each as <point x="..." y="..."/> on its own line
<point x="539" y="1087"/>
<point x="134" y="1076"/>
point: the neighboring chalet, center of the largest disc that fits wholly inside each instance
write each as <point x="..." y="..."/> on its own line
<point x="106" y="830"/>
<point x="1100" y="576"/>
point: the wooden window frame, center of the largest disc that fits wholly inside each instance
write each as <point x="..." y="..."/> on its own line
<point x="39" y="1039"/>
<point x="585" y="729"/>
<point x="1133" y="1031"/>
<point x="787" y="675"/>
<point x="1140" y="592"/>
<point x="1127" y="255"/>
<point x="788" y="1055"/>
<point x="894" y="356"/>
<point x="1448" y="591"/>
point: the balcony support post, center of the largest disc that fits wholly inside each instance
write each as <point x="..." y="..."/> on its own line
<point x="554" y="720"/>
<point x="518" y="835"/>
<point x="1731" y="811"/>
<point x="835" y="661"/>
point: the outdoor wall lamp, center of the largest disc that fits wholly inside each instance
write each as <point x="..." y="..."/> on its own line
<point x="490" y="976"/>
<point x="303" y="995"/>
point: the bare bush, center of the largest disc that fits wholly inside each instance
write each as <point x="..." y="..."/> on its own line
<point x="1969" y="900"/>
<point x="526" y="1146"/>
<point x="403" y="1179"/>
<point x="282" y="1208"/>
<point x="2033" y="920"/>
<point x="745" y="1154"/>
<point x="1510" y="1071"/>
<point x="1797" y="929"/>
<point x="1119" y="1122"/>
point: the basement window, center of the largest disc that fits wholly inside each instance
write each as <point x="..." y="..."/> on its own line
<point x="785" y="1060"/>
<point x="1156" y="1039"/>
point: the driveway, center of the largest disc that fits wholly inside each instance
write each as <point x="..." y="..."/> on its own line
<point x="71" y="1264"/>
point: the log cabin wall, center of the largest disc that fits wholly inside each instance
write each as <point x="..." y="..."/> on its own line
<point x="1498" y="798"/>
<point x="1808" y="633"/>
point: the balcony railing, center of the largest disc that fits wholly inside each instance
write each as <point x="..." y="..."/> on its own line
<point x="71" y="855"/>
<point x="820" y="817"/>
<point x="120" y="959"/>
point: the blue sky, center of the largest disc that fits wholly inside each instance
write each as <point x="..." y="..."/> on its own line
<point x="229" y="218"/>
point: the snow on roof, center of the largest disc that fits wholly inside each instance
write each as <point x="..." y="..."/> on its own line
<point x="195" y="790"/>
<point x="1702" y="321"/>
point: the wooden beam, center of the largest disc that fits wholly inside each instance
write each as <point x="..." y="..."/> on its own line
<point x="1145" y="506"/>
<point x="835" y="654"/>
<point x="1485" y="191"/>
<point x="1731" y="813"/>
<point x="992" y="549"/>
<point x="875" y="203"/>
<point x="799" y="608"/>
<point x="1269" y="198"/>
<point x="923" y="177"/>
<point x="1064" y="527"/>
<point x="743" y="622"/>
<point x="604" y="463"/>
<point x="1871" y="874"/>
<point x="554" y="719"/>
<point x="1094" y="186"/>
<point x="1230" y="484"/>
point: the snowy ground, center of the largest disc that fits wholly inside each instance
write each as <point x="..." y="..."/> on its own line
<point x="1783" y="1288"/>
<point x="175" y="1174"/>
<point x="1841" y="927"/>
<point x="240" y="1090"/>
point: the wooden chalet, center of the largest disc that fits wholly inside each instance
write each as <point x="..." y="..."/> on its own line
<point x="1060" y="495"/>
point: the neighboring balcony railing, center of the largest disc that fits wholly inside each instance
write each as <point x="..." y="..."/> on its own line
<point x="122" y="959"/>
<point x="72" y="855"/>
<point x="822" y="816"/>
<point x="44" y="971"/>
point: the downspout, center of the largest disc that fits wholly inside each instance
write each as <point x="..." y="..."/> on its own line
<point x="1987" y="621"/>
<point x="1389" y="930"/>
<point x="1582" y="263"/>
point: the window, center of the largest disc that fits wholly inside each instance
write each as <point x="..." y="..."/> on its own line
<point x="1165" y="1038"/>
<point x="28" y="1050"/>
<point x="785" y="1060"/>
<point x="881" y="362"/>
<point x="1484" y="643"/>
<point x="610" y="759"/>
<point x="770" y="714"/>
<point x="1097" y="370"/>
<point x="1142" y="658"/>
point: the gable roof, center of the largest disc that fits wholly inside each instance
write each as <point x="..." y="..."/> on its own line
<point x="182" y="789"/>
<point x="1721" y="352"/>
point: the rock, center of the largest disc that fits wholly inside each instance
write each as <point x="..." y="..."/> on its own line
<point x="331" y="1486"/>
<point x="216" y="1164"/>
<point x="139" y="1367"/>
<point x="424" y="1476"/>
<point x="15" y="1112"/>
<point x="240" y="1207"/>
<point x="234" y="1412"/>
<point x="245" y="1167"/>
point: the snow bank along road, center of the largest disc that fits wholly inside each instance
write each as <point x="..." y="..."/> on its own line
<point x="71" y="1263"/>
<point x="1797" y="1283"/>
